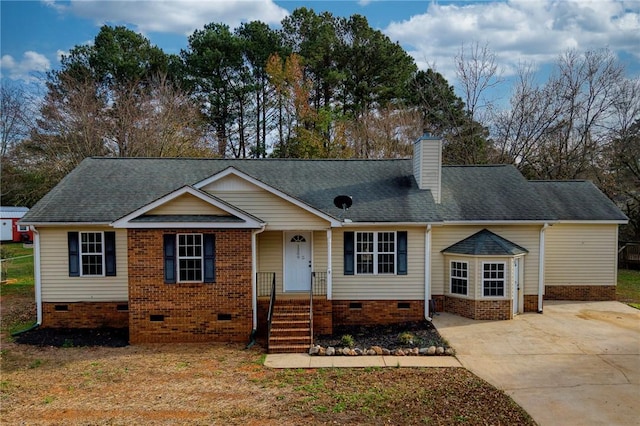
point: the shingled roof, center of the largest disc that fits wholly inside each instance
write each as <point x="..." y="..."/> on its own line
<point x="577" y="200"/>
<point x="485" y="243"/>
<point x="102" y="190"/>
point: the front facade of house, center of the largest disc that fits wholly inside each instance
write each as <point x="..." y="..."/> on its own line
<point x="188" y="250"/>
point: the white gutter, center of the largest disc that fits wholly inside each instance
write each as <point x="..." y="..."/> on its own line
<point x="329" y="264"/>
<point x="36" y="274"/>
<point x="254" y="271"/>
<point x="541" y="268"/>
<point x="427" y="272"/>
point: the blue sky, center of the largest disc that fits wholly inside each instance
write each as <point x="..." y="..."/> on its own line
<point x="35" y="33"/>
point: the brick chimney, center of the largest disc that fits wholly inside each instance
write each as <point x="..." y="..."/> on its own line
<point x="427" y="164"/>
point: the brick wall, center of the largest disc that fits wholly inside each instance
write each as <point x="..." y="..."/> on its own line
<point x="531" y="303"/>
<point x="189" y="312"/>
<point x="85" y="315"/>
<point x="479" y="309"/>
<point x="580" y="292"/>
<point x="347" y="312"/>
<point x="438" y="300"/>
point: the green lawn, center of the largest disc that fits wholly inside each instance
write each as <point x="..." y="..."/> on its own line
<point x="17" y="263"/>
<point x="628" y="290"/>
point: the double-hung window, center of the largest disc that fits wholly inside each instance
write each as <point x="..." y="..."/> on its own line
<point x="92" y="253"/>
<point x="459" y="277"/>
<point x="189" y="258"/>
<point x="375" y="252"/>
<point x="493" y="279"/>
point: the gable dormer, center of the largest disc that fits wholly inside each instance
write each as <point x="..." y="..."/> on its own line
<point x="427" y="164"/>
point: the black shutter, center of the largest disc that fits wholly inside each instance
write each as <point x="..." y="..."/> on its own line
<point x="209" y="258"/>
<point x="402" y="252"/>
<point x="74" y="254"/>
<point x="169" y="258"/>
<point x="110" y="253"/>
<point x="349" y="253"/>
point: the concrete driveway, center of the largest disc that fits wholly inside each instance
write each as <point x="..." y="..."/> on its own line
<point x="578" y="363"/>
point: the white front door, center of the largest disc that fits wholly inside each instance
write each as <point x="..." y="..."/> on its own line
<point x="516" y="286"/>
<point x="297" y="261"/>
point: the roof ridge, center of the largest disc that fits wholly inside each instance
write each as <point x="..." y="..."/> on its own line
<point x="477" y="165"/>
<point x="249" y="159"/>
<point x="559" y="180"/>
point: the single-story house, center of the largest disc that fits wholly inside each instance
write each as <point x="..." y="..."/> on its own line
<point x="10" y="229"/>
<point x="215" y="249"/>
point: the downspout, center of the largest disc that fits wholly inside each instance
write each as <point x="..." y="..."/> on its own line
<point x="37" y="282"/>
<point x="541" y="268"/>
<point x="254" y="285"/>
<point x="329" y="264"/>
<point x="427" y="272"/>
<point x="37" y="274"/>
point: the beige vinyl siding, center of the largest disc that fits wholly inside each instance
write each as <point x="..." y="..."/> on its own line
<point x="382" y="286"/>
<point x="270" y="253"/>
<point x="58" y="286"/>
<point x="526" y="236"/>
<point x="577" y="254"/>
<point x="278" y="213"/>
<point x="320" y="251"/>
<point x="187" y="204"/>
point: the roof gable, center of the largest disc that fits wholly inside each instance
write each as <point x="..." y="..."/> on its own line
<point x="234" y="180"/>
<point x="167" y="211"/>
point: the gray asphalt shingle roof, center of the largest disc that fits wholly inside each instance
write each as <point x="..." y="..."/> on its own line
<point x="500" y="192"/>
<point x="485" y="243"/>
<point x="587" y="202"/>
<point x="102" y="190"/>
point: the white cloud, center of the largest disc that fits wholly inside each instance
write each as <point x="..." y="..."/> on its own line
<point x="518" y="30"/>
<point x="24" y="69"/>
<point x="175" y="16"/>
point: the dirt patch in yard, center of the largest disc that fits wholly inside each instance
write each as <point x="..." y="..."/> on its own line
<point x="202" y="384"/>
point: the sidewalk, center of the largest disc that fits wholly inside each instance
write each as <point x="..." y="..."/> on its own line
<point x="307" y="361"/>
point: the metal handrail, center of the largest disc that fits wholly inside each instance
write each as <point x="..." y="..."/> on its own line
<point x="272" y="302"/>
<point x="313" y="275"/>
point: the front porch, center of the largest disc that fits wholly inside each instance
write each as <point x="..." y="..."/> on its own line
<point x="287" y="321"/>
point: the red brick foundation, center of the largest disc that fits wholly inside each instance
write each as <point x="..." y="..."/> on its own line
<point x="85" y="315"/>
<point x="531" y="303"/>
<point x="438" y="301"/>
<point x="189" y="312"/>
<point x="479" y="309"/>
<point x="580" y="292"/>
<point x="357" y="312"/>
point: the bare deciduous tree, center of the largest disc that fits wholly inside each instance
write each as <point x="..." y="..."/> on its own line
<point x="16" y="116"/>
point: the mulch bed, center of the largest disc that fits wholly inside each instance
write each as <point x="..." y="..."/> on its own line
<point x="75" y="337"/>
<point x="385" y="336"/>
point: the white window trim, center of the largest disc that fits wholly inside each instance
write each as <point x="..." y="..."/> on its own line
<point x="505" y="294"/>
<point x="82" y="253"/>
<point x="201" y="257"/>
<point x="23" y="228"/>
<point x="376" y="253"/>
<point x="451" y="262"/>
